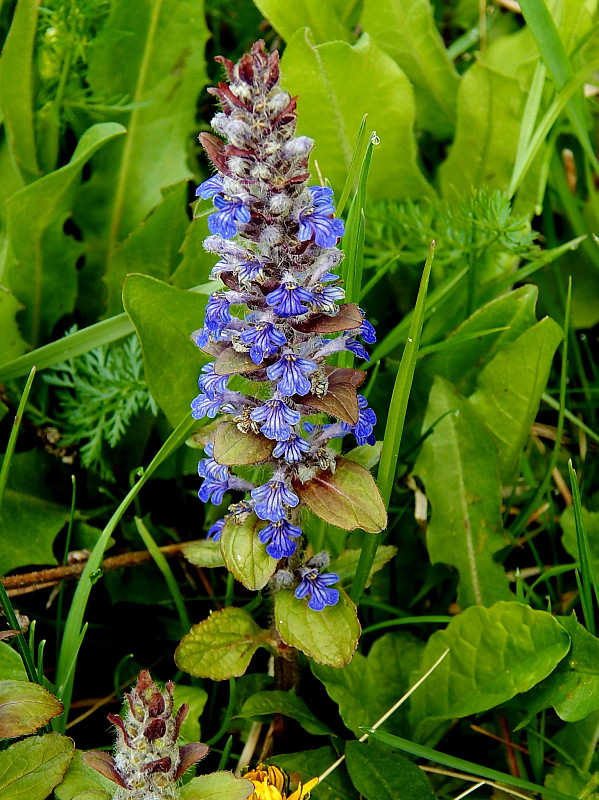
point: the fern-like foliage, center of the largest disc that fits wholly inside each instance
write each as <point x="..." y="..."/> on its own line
<point x="482" y="226"/>
<point x="97" y="395"/>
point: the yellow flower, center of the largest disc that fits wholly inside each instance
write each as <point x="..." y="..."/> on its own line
<point x="271" y="783"/>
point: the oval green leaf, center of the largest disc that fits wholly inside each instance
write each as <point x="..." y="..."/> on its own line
<point x="83" y="783"/>
<point x="204" y="553"/>
<point x="494" y="654"/>
<point x="245" y="557"/>
<point x="25" y="707"/>
<point x="33" y="767"/>
<point x="348" y="497"/>
<point x="382" y="775"/>
<point x="329" y="637"/>
<point x="221" y="646"/>
<point x="217" y="786"/>
<point x="232" y="448"/>
<point x="288" y="703"/>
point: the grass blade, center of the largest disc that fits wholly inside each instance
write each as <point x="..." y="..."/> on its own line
<point x="167" y="572"/>
<point x="353" y="166"/>
<point x="421" y="751"/>
<point x="74" y="622"/>
<point x="394" y="426"/>
<point x="588" y="576"/>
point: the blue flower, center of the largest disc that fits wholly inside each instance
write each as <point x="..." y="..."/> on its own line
<point x="287" y="300"/>
<point x="277" y="418"/>
<point x="358" y="349"/>
<point x="367" y="331"/>
<point x="322" y="196"/>
<point x="209" y="468"/>
<point x="249" y="270"/>
<point x="292" y="449"/>
<point x="210" y="187"/>
<point x="362" y="430"/>
<point x="230" y="211"/>
<point x="272" y="499"/>
<point x="280" y="532"/>
<point x="264" y="338"/>
<point x="211" y="383"/>
<point x="316" y="585"/>
<point x="323" y="297"/>
<point x="215" y="532"/>
<point x="201" y="337"/>
<point x="318" y="221"/>
<point x="291" y="370"/>
<point x="204" y="406"/>
<point x="218" y="311"/>
<point x="213" y="490"/>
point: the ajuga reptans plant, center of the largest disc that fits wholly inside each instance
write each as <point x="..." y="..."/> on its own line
<point x="148" y="760"/>
<point x="278" y="321"/>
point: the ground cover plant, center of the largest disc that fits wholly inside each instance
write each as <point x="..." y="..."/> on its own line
<point x="378" y="262"/>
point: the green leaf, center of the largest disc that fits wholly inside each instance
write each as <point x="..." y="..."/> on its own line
<point x="32" y="768"/>
<point x="245" y="557"/>
<point x="329" y="636"/>
<point x="231" y="362"/>
<point x="458" y="464"/>
<point x="570" y="781"/>
<point x="33" y="520"/>
<point x="573" y="687"/>
<point x="579" y="740"/>
<point x="196" y="699"/>
<point x="345" y="564"/>
<point x="11" y="664"/>
<point x="288" y="703"/>
<point x="489" y="114"/>
<point x="509" y="390"/>
<point x="461" y="365"/>
<point x="366" y="455"/>
<point x="12" y="344"/>
<point x="318" y="73"/>
<point x="40" y="263"/>
<point x="221" y="646"/>
<point x="234" y="448"/>
<point x="164" y="318"/>
<point x="378" y="680"/>
<point x="204" y="553"/>
<point x="406" y="30"/>
<point x="348" y="497"/>
<point x="152" y="248"/>
<point x="216" y="786"/>
<point x="590" y="520"/>
<point x="308" y="764"/>
<point x="325" y="20"/>
<point x="197" y="263"/>
<point x="161" y="50"/>
<point x="25" y="707"/>
<point x="494" y="653"/>
<point x="83" y="783"/>
<point x="16" y="89"/>
<point x="378" y="774"/>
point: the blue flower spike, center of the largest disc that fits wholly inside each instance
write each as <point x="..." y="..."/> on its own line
<point x="275" y="240"/>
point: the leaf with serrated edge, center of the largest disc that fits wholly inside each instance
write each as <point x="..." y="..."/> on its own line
<point x="32" y="767"/>
<point x="230" y="362"/>
<point x="245" y="557"/>
<point x="204" y="553"/>
<point x="221" y="646"/>
<point x="494" y="653"/>
<point x="348" y="498"/>
<point x="329" y="636"/>
<point x="341" y="401"/>
<point x="25" y="707"/>
<point x="216" y="786"/>
<point x="234" y="448"/>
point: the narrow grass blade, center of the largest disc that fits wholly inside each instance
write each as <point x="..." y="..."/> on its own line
<point x="421" y="751"/>
<point x="12" y="439"/>
<point x="588" y="575"/>
<point x="74" y="621"/>
<point x="109" y="330"/>
<point x="571" y="417"/>
<point x="457" y="340"/>
<point x="354" y="166"/>
<point x="394" y="426"/>
<point x="545" y="33"/>
<point x="530" y="114"/>
<point x="167" y="572"/>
